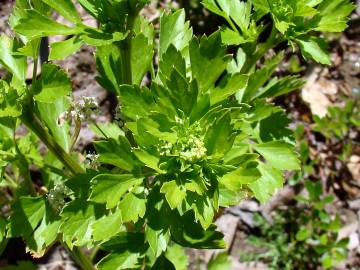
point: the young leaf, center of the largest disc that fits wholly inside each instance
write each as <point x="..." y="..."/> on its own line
<point x="157" y="240"/>
<point x="9" y="104"/>
<point x="15" y="64"/>
<point x="108" y="62"/>
<point x="333" y="15"/>
<point x="78" y="217"/>
<point x="240" y="177"/>
<point x="109" y="188"/>
<point x="53" y="84"/>
<point x="315" y="48"/>
<point x="28" y="212"/>
<point x="228" y="87"/>
<point x="280" y="87"/>
<point x="50" y="113"/>
<point x="279" y="154"/>
<point x="65" y="8"/>
<point x="132" y="207"/>
<point x="120" y="261"/>
<point x="220" y="262"/>
<point x="136" y="102"/>
<point x="174" y="30"/>
<point x="44" y="26"/>
<point x="259" y="78"/>
<point x="141" y="57"/>
<point x="118" y="153"/>
<point x="62" y="49"/>
<point x="208" y="60"/>
<point x="107" y="226"/>
<point x="174" y="194"/>
<point x="267" y="184"/>
<point x="176" y="254"/>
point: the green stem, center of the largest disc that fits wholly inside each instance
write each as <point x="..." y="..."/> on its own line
<point x="35" y="126"/>
<point x="79" y="257"/>
<point x="125" y="49"/>
<point x="24" y="169"/>
<point x="271" y="42"/>
<point x="83" y="260"/>
<point x="101" y="131"/>
<point x="94" y="253"/>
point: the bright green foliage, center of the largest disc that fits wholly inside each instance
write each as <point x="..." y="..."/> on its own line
<point x="198" y="134"/>
<point x="339" y="120"/>
<point x="220" y="262"/>
<point x="52" y="85"/>
<point x="293" y="20"/>
<point x="301" y="239"/>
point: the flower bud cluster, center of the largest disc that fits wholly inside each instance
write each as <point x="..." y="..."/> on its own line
<point x="92" y="160"/>
<point x="57" y="195"/>
<point x="190" y="145"/>
<point x="82" y="110"/>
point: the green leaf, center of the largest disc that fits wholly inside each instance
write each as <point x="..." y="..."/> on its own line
<point x="46" y="233"/>
<point x="44" y="26"/>
<point x="132" y="241"/>
<point x="62" y="49"/>
<point x="219" y="138"/>
<point x="228" y="87"/>
<point x="203" y="208"/>
<point x="142" y="52"/>
<point x="303" y="234"/>
<point x="176" y="254"/>
<point x="157" y="240"/>
<point x="111" y="130"/>
<point x="53" y="84"/>
<point x="30" y="48"/>
<point x="148" y="159"/>
<point x="314" y="48"/>
<point x="220" y="262"/>
<point x="9" y="101"/>
<point x="187" y="233"/>
<point x="235" y="12"/>
<point x="118" y="153"/>
<point x="27" y="214"/>
<point x="333" y="15"/>
<point x="3" y="225"/>
<point x="119" y="261"/>
<point x="270" y="181"/>
<point x="163" y="263"/>
<point x="108" y="63"/>
<point x="259" y="78"/>
<point x="208" y="60"/>
<point x="14" y="63"/>
<point x="107" y="226"/>
<point x="65" y="8"/>
<point x="174" y="30"/>
<point x="237" y="63"/>
<point x="50" y="113"/>
<point x="109" y="188"/>
<point x="136" y="102"/>
<point x="279" y="154"/>
<point x="78" y="217"/>
<point x="281" y="87"/>
<point x="174" y="194"/>
<point x="235" y="180"/>
<point x="132" y="207"/>
<point x="261" y="7"/>
<point x="314" y="190"/>
<point x="98" y="38"/>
